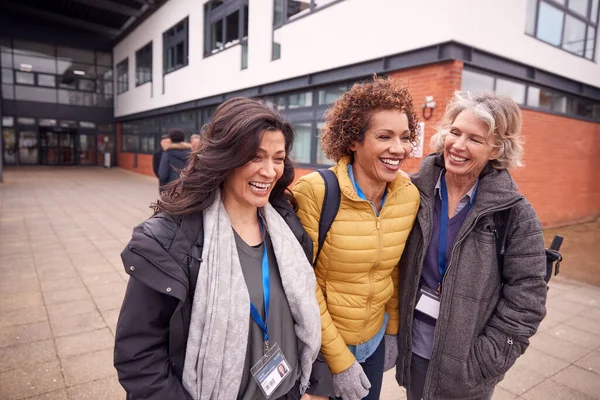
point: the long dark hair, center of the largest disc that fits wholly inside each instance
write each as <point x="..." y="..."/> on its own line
<point x="231" y="140"/>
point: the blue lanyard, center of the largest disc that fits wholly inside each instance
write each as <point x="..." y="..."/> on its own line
<point x="266" y="281"/>
<point x="442" y="263"/>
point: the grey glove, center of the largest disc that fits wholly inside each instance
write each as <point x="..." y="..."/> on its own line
<point x="391" y="352"/>
<point x="352" y="384"/>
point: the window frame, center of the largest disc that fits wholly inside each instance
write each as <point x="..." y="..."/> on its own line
<point x="554" y="93"/>
<point x="220" y="13"/>
<point x="588" y="20"/>
<point x="144" y="54"/>
<point x="311" y="10"/>
<point x="122" y="79"/>
<point x="171" y="39"/>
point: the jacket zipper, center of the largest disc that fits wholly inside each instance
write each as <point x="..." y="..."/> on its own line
<point x="434" y="351"/>
<point x="371" y="288"/>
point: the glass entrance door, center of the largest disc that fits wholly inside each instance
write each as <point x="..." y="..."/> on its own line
<point x="9" y="145"/>
<point x="28" y="147"/>
<point x="58" y="148"/>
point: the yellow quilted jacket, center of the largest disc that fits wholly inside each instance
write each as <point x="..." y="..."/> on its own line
<point x="357" y="270"/>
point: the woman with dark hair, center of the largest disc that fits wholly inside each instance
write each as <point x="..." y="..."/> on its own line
<point x="221" y="288"/>
<point x="369" y="131"/>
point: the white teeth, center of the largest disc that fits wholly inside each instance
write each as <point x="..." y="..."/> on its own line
<point x="260" y="185"/>
<point x="457" y="159"/>
<point x="390" y="161"/>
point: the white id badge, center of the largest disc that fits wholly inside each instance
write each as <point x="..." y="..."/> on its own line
<point x="428" y="302"/>
<point x="271" y="370"/>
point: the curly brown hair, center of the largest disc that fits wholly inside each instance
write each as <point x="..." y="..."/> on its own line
<point x="348" y="119"/>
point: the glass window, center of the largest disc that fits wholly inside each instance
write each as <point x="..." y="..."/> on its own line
<point x="32" y="93"/>
<point x="301" y="149"/>
<point x="130" y="143"/>
<point x="589" y="46"/>
<point x="47" y="122"/>
<point x="105" y="73"/>
<point x="539" y="98"/>
<point x="46" y="80"/>
<point x="25" y="78"/>
<point x="7" y="76"/>
<point x="175" y="47"/>
<point x="67" y="67"/>
<point x="26" y="121"/>
<point x="299" y="100"/>
<point x="574" y="35"/>
<point x="594" y="16"/>
<point x="475" y="82"/>
<point x="86" y="84"/>
<point x="87" y="124"/>
<point x="5" y="44"/>
<point x="514" y="90"/>
<point x="123" y="76"/>
<point x="530" y="15"/>
<point x="67" y="123"/>
<point x="278" y="13"/>
<point x="232" y="28"/>
<point x="296" y="8"/>
<point x="579" y="6"/>
<point x="143" y="64"/>
<point x="562" y="104"/>
<point x="8" y="121"/>
<point x="321" y="159"/>
<point x="8" y="92"/>
<point x="584" y="108"/>
<point x="245" y="55"/>
<point x="550" y="24"/>
<point x="74" y="97"/>
<point x="28" y="147"/>
<point x="35" y="64"/>
<point x="329" y="95"/>
<point x="78" y="55"/>
<point x="6" y="60"/>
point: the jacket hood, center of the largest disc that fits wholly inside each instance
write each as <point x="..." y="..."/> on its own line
<point x="496" y="187"/>
<point x="180" y="151"/>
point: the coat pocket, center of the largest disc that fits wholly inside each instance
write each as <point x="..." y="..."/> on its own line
<point x="495" y="352"/>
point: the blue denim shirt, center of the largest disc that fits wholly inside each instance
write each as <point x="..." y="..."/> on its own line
<point x="365" y="350"/>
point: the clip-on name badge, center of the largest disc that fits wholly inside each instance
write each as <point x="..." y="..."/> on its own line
<point x="271" y="370"/>
<point x="428" y="302"/>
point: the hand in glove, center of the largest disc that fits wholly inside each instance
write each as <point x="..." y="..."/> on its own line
<point x="352" y="384"/>
<point x="391" y="352"/>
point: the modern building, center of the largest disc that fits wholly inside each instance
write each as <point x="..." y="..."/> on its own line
<point x="181" y="58"/>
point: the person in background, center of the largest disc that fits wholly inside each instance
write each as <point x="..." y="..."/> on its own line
<point x="196" y="142"/>
<point x="197" y="314"/>
<point x="164" y="143"/>
<point x="369" y="131"/>
<point x="174" y="158"/>
<point x="467" y="312"/>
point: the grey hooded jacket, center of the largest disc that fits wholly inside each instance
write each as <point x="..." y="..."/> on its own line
<point x="485" y="319"/>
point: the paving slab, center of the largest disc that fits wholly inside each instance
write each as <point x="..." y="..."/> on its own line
<point x="62" y="283"/>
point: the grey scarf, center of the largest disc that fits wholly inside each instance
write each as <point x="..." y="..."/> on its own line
<point x="218" y="336"/>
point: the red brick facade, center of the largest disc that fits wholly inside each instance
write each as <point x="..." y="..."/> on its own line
<point x="561" y="177"/>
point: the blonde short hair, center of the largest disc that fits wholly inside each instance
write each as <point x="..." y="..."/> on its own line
<point x="502" y="116"/>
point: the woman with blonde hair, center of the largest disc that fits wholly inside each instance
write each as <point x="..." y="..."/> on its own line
<point x="369" y="132"/>
<point x="470" y="296"/>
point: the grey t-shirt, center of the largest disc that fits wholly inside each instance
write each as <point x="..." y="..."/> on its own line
<point x="280" y="323"/>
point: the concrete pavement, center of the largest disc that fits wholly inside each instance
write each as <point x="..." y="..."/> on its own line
<point x="62" y="283"/>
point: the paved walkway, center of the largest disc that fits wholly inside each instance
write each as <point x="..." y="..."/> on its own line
<point x="62" y="283"/>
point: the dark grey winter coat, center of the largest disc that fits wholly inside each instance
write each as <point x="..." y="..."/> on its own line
<point x="483" y="325"/>
<point x="163" y="259"/>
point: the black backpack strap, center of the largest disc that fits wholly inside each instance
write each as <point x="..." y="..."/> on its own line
<point x="195" y="224"/>
<point x="330" y="207"/>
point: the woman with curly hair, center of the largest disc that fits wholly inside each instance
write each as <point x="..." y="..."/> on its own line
<point x="369" y="131"/>
<point x="472" y="288"/>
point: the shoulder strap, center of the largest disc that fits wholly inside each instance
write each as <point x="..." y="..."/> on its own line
<point x="330" y="207"/>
